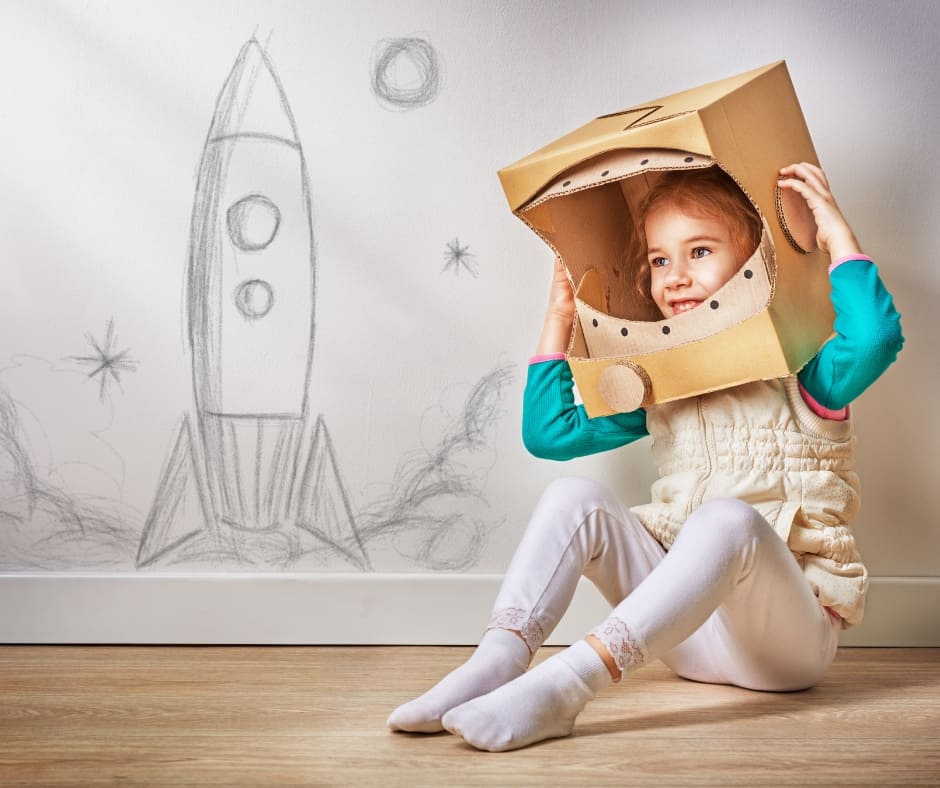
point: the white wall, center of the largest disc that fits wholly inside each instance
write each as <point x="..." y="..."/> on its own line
<point x="106" y="107"/>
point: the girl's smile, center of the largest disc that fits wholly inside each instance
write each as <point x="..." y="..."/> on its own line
<point x="690" y="258"/>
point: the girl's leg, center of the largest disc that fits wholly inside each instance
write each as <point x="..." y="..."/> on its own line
<point x="728" y="605"/>
<point x="727" y="571"/>
<point x="578" y="527"/>
<point x="772" y="635"/>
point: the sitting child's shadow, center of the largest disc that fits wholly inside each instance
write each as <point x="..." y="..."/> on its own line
<point x="856" y="679"/>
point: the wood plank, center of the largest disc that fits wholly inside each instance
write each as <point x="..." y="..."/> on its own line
<point x="220" y="715"/>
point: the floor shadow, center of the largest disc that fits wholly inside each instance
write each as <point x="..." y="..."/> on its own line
<point x="849" y="684"/>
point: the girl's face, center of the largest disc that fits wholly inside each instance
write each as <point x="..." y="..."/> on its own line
<point x="690" y="257"/>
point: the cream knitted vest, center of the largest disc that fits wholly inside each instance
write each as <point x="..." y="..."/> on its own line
<point x="760" y="443"/>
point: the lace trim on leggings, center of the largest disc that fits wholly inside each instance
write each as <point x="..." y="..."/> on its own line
<point x="518" y="620"/>
<point x="628" y="651"/>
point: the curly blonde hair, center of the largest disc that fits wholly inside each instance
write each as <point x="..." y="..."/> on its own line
<point x="710" y="193"/>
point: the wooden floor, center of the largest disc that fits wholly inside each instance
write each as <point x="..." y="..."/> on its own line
<point x="269" y="716"/>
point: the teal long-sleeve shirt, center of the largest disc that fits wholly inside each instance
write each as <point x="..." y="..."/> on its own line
<point x="867" y="340"/>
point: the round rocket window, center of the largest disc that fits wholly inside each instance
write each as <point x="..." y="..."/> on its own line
<point x="253" y="221"/>
<point x="254" y="298"/>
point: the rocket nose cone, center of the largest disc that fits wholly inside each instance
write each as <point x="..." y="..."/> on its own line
<point x="251" y="101"/>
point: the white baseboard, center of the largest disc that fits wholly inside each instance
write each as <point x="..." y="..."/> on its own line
<point x="369" y="609"/>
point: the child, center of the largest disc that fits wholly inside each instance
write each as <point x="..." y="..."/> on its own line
<point x="742" y="570"/>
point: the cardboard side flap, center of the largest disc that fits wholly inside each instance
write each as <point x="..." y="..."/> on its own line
<point x="592" y="290"/>
<point x="576" y="346"/>
<point x="608" y="243"/>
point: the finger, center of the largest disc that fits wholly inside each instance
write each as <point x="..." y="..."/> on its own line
<point x="811" y="189"/>
<point x="809" y="173"/>
<point x="799" y="186"/>
<point x="814" y="200"/>
<point x="801" y="167"/>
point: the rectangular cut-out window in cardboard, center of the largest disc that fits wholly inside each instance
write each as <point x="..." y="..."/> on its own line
<point x="582" y="195"/>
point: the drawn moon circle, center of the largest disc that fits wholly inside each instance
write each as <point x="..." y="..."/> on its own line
<point x="253" y="221"/>
<point x="254" y="298"/>
<point x="624" y="386"/>
<point x="406" y="72"/>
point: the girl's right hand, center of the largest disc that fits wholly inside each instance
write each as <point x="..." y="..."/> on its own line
<point x="559" y="316"/>
<point x="561" y="296"/>
<point x="833" y="233"/>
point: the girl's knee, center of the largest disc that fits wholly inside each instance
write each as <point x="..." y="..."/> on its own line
<point x="729" y="518"/>
<point x="574" y="505"/>
<point x="575" y="492"/>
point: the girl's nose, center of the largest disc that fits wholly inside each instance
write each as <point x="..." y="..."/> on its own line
<point x="677" y="273"/>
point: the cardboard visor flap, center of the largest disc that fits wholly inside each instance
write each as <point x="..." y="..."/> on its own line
<point x="586" y="194"/>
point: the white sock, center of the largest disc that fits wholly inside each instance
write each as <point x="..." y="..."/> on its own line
<point x="500" y="657"/>
<point x="542" y="704"/>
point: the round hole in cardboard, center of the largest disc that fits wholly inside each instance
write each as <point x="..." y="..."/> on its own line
<point x="796" y="220"/>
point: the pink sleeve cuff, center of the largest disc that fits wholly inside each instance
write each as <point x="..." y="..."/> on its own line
<point x="547" y="357"/>
<point x="848" y="259"/>
<point x="821" y="410"/>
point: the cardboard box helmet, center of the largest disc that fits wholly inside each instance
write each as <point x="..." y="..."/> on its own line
<point x="582" y="195"/>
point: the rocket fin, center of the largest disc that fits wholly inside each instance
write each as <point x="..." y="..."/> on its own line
<point x="178" y="501"/>
<point x="322" y="503"/>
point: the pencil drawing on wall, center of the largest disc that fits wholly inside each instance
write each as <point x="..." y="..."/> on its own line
<point x="251" y="477"/>
<point x="458" y="257"/>
<point x="406" y="73"/>
<point x="250" y="306"/>
<point x="59" y="511"/>
<point x="106" y="363"/>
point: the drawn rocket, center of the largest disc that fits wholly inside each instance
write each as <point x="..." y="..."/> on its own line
<point x="250" y="305"/>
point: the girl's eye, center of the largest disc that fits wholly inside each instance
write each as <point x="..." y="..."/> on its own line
<point x="658" y="262"/>
<point x="700" y="251"/>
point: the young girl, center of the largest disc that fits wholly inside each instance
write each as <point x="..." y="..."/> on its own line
<point x="742" y="570"/>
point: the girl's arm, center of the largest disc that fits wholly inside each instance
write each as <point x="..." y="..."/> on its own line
<point x="553" y="426"/>
<point x="867" y="336"/>
<point x="867" y="327"/>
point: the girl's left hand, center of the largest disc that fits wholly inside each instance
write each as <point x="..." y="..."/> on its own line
<point x="833" y="234"/>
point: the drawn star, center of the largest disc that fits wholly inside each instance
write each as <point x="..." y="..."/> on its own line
<point x="457" y="257"/>
<point x="108" y="364"/>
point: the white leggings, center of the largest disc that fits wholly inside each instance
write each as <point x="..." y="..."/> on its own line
<point x="727" y="604"/>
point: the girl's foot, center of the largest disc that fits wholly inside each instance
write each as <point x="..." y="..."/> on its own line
<point x="500" y="657"/>
<point x="542" y="704"/>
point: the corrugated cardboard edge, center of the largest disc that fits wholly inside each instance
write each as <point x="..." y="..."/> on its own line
<point x="521" y="180"/>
